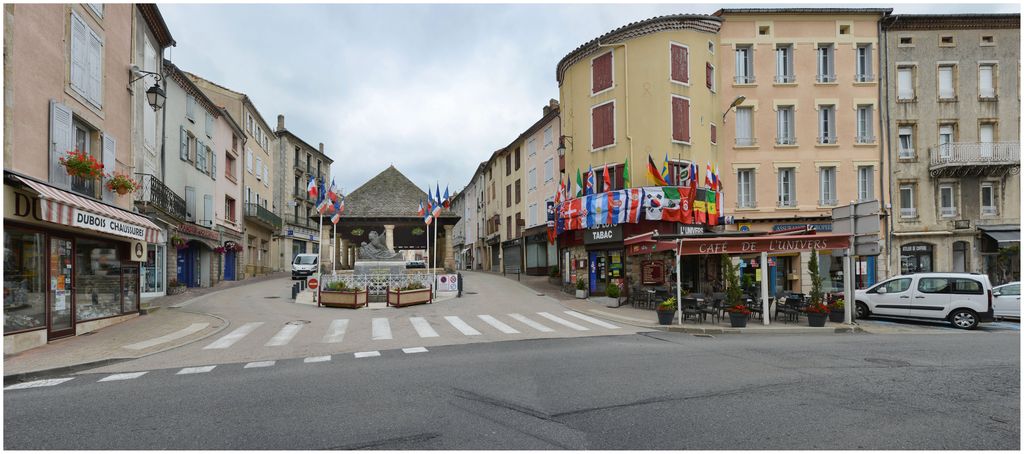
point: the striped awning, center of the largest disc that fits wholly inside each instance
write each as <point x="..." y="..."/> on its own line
<point x="62" y="207"/>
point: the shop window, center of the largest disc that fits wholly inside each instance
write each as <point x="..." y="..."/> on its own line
<point x="960" y="254"/>
<point x="915" y="258"/>
<point x="83" y="137"/>
<point x="153" y="270"/>
<point x="24" y="280"/>
<point x="97" y="280"/>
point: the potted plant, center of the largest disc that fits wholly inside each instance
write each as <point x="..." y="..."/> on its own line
<point x="553" y="276"/>
<point x="666" y="310"/>
<point x="816" y="311"/>
<point x="612" y="292"/>
<point x="340" y="294"/>
<point x="412" y="293"/>
<point x="122" y="184"/>
<point x="581" y="288"/>
<point x="836" y="313"/>
<point x="218" y="250"/>
<point x="178" y="242"/>
<point x="81" y="164"/>
<point x="738" y="311"/>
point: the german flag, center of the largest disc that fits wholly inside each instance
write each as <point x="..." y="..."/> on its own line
<point x="655" y="174"/>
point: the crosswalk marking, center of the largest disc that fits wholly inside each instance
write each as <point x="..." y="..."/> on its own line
<point x="415" y="350"/>
<point x="381" y="329"/>
<point x="593" y="320"/>
<point x="127" y="376"/>
<point x="39" y="383"/>
<point x="193" y="328"/>
<point x="563" y="322"/>
<point x="195" y="370"/>
<point x="234" y="336"/>
<point x="461" y="326"/>
<point x="423" y="328"/>
<point x="317" y="359"/>
<point x="531" y="323"/>
<point x="367" y="354"/>
<point x="284" y="336"/>
<point x="259" y="364"/>
<point x="498" y="324"/>
<point x="336" y="332"/>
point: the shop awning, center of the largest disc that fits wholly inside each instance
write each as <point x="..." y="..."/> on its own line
<point x="1003" y="234"/>
<point x="62" y="207"/>
<point x="646" y="244"/>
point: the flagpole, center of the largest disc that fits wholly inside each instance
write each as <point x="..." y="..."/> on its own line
<point x="334" y="256"/>
<point x="433" y="258"/>
<point x="319" y="253"/>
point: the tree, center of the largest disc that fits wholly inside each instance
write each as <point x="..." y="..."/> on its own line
<point x="812" y="269"/>
<point x="733" y="292"/>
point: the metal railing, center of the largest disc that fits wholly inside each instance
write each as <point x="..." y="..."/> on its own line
<point x="786" y="203"/>
<point x="865" y="139"/>
<point x="746" y="141"/>
<point x="906" y="153"/>
<point x="746" y="204"/>
<point x="261" y="214"/>
<point x="744" y="79"/>
<point x="988" y="211"/>
<point x="827" y="202"/>
<point x="947" y="212"/>
<point x="908" y="212"/>
<point x="826" y="78"/>
<point x="864" y="78"/>
<point x="155" y="194"/>
<point x="785" y="78"/>
<point x="785" y="140"/>
<point x="827" y="140"/>
<point x="84" y="186"/>
<point x="976" y="153"/>
<point x="301" y="220"/>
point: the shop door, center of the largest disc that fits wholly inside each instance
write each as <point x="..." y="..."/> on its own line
<point x="188" y="266"/>
<point x="130" y="284"/>
<point x="229" y="266"/>
<point x="599" y="271"/>
<point x="61" y="301"/>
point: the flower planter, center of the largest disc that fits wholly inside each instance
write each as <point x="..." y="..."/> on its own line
<point x="581" y="294"/>
<point x="123" y="190"/>
<point x="816" y="319"/>
<point x="350" y="300"/>
<point x="400" y="298"/>
<point x="837" y="316"/>
<point x="665" y="317"/>
<point x="737" y="320"/>
<point x="176" y="289"/>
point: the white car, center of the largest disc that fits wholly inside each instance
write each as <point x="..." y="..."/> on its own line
<point x="304" y="265"/>
<point x="964" y="299"/>
<point x="1006" y="301"/>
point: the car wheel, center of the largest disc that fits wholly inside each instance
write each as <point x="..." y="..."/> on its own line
<point x="964" y="319"/>
<point x="862" y="310"/>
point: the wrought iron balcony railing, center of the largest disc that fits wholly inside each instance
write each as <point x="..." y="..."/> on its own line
<point x="260" y="214"/>
<point x="976" y="153"/>
<point x="908" y="212"/>
<point x="155" y="195"/>
<point x="746" y="141"/>
<point x="864" y="77"/>
<point x="827" y="140"/>
<point x="827" y="202"/>
<point x="865" y="139"/>
<point x="785" y="78"/>
<point x="826" y="78"/>
<point x="791" y="140"/>
<point x="744" y="79"/>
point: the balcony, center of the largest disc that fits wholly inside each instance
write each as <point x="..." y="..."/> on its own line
<point x="257" y="213"/>
<point x="744" y="79"/>
<point x="827" y="140"/>
<point x="746" y="204"/>
<point x="155" y="196"/>
<point x="974" y="158"/>
<point x="785" y="78"/>
<point x="791" y="140"/>
<point x="947" y="212"/>
<point x="865" y="139"/>
<point x="786" y="203"/>
<point x="826" y="78"/>
<point x="864" y="78"/>
<point x="299" y="220"/>
<point x="84" y="186"/>
<point x="827" y="202"/>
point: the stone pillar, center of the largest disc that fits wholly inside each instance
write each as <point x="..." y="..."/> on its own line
<point x="352" y="254"/>
<point x="389" y="236"/>
<point x="343" y="254"/>
<point x="449" y="248"/>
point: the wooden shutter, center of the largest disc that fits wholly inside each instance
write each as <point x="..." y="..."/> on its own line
<point x="95" y="69"/>
<point x="601" y="72"/>
<point x="714" y="134"/>
<point x="183" y="148"/>
<point x="200" y="155"/>
<point x="905" y="83"/>
<point x="680" y="119"/>
<point x="709" y="74"/>
<point x="603" y="125"/>
<point x="79" y="55"/>
<point x="61" y="142"/>
<point x="680" y="64"/>
<point x="109" y="163"/>
<point x="213" y="164"/>
<point x="208" y="209"/>
<point x="985" y="78"/>
<point x="190" y="203"/>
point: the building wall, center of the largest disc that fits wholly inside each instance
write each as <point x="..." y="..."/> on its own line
<point x="181" y="173"/>
<point x="228" y="186"/>
<point x="545" y="140"/>
<point x="146" y="123"/>
<point x="510" y="176"/>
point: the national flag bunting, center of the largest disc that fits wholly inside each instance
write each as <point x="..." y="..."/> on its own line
<point x="420" y="211"/>
<point x="311" y="188"/>
<point x="607" y="179"/>
<point x="625" y="175"/>
<point x="447" y="200"/>
<point x="652" y="170"/>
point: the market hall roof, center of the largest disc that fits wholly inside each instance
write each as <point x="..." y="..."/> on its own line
<point x="390" y="194"/>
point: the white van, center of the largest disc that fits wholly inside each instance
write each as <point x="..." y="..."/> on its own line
<point x="304" y="265"/>
<point x="964" y="299"/>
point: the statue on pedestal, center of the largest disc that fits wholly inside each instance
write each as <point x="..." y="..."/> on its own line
<point x="377" y="249"/>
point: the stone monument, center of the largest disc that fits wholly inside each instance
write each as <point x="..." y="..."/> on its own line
<point x="375" y="257"/>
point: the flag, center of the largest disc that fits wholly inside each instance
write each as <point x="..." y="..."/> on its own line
<point x="712" y="206"/>
<point x="591" y="182"/>
<point x="332" y="192"/>
<point x="311" y="188"/>
<point x="597" y="207"/>
<point x="652" y="169"/>
<point x="626" y="184"/>
<point x="420" y="211"/>
<point x="437" y="202"/>
<point x="633" y="202"/>
<point x="579" y="184"/>
<point x="709" y="178"/>
<point x="429" y="215"/>
<point x="654" y="201"/>
<point x="664" y="169"/>
<point x="338" y="207"/>
<point x="324" y="206"/>
<point x="700" y="208"/>
<point x="607" y="179"/>
<point x="692" y="174"/>
<point x="447" y="200"/>
<point x="617" y="201"/>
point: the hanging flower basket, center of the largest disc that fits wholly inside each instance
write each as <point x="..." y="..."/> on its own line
<point x="178" y="242"/>
<point x="122" y="183"/>
<point x="81" y="164"/>
<point x="237" y="247"/>
<point x="218" y="250"/>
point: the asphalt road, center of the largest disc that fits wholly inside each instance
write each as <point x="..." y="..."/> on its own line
<point x="639" y="391"/>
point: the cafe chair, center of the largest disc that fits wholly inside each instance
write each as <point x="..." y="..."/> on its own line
<point x="690" y="308"/>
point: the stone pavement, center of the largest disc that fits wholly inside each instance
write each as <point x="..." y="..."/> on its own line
<point x="153" y="304"/>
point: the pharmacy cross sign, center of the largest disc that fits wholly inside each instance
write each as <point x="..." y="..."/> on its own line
<point x="756" y="245"/>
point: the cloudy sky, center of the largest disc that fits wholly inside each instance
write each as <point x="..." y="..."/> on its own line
<point x="432" y="89"/>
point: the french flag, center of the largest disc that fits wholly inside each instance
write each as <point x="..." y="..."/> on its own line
<point x="311" y="188"/>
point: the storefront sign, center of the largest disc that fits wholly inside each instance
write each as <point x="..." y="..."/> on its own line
<point x="650" y="247"/>
<point x="818" y="227"/>
<point x="137" y="251"/>
<point x="691" y="229"/>
<point x="653" y="272"/>
<point x="191" y="229"/>
<point x="104" y="224"/>
<point x="750" y="245"/>
<point x="603" y="235"/>
<point x="915" y="248"/>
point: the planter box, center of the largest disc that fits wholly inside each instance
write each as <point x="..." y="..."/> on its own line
<point x="837" y="316"/>
<point x="399" y="298"/>
<point x="665" y="317"/>
<point x="351" y="300"/>
<point x="737" y="320"/>
<point x="816" y="320"/>
<point x="176" y="290"/>
<point x="581" y="294"/>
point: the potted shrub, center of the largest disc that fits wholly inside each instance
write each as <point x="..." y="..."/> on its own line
<point x="174" y="287"/>
<point x="178" y="242"/>
<point x="836" y="312"/>
<point x="738" y="311"/>
<point x="666" y="310"/>
<point x="81" y="164"/>
<point x="553" y="276"/>
<point x="612" y="292"/>
<point x="581" y="288"/>
<point x="816" y="311"/>
<point x="122" y="184"/>
<point x="412" y="293"/>
<point x="340" y="294"/>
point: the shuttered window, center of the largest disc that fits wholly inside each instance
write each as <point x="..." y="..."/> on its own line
<point x="601" y="72"/>
<point x="209" y="125"/>
<point x="946" y="90"/>
<point x="680" y="63"/>
<point x="190" y="203"/>
<point x="603" y="124"/>
<point x="208" y="210"/>
<point x="986" y="82"/>
<point x="183" y="143"/>
<point x="680" y="119"/>
<point x="709" y="71"/>
<point x="190" y="107"/>
<point x="86" y="61"/>
<point x="714" y="134"/>
<point x="109" y="163"/>
<point x="905" y="83"/>
<point x="60" y="143"/>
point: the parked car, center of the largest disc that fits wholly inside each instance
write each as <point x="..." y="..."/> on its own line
<point x="1006" y="301"/>
<point x="415" y="264"/>
<point x="304" y="265"/>
<point x="964" y="299"/>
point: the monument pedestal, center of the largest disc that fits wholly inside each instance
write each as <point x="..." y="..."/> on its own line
<point x="371" y="267"/>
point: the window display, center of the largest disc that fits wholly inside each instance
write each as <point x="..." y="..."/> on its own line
<point x="153" y="269"/>
<point x="98" y="288"/>
<point x="24" y="280"/>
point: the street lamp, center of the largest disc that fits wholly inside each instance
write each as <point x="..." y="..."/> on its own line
<point x="739" y="100"/>
<point x="561" y="144"/>
<point x="155" y="95"/>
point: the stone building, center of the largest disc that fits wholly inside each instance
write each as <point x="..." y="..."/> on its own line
<point x="299" y="161"/>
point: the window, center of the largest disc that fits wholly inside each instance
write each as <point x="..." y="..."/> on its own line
<point x="988" y="199"/>
<point x="601" y="72"/>
<point x="508" y="226"/>
<point x="844" y="29"/>
<point x="827" y="186"/>
<point x="744" y="64"/>
<point x="916" y="258"/>
<point x="827" y="124"/>
<point x="680" y="119"/>
<point x="745" y="127"/>
<point x="680" y="65"/>
<point x="709" y="74"/>
<point x="201" y="156"/>
<point x="764" y="30"/>
<point x="603" y="125"/>
<point x="935" y="285"/>
<point x="190" y="151"/>
<point x="906" y="141"/>
<point x="190" y="108"/>
<point x="826" y="67"/>
<point x="946" y="41"/>
<point x="259" y="168"/>
<point x="905" y="83"/>
<point x="986" y="81"/>
<point x="517" y="158"/>
<point x="865" y="183"/>
<point x="908" y="207"/>
<point x="787" y="187"/>
<point x="897" y="285"/>
<point x="615" y="177"/>
<point x="784" y="64"/>
<point x="745" y="195"/>
<point x="714" y="134"/>
<point x="190" y="203"/>
<point x="945" y="139"/>
<point x="531" y="214"/>
<point x="946" y="89"/>
<point x="864" y="73"/>
<point x="86" y="61"/>
<point x="207" y="210"/>
<point x="531" y="180"/>
<point x="785" y="132"/>
<point x="508" y="164"/>
<point x="531" y="147"/>
<point x="25" y="284"/>
<point x="508" y="196"/>
<point x="906" y="41"/>
<point x="864" y="128"/>
<point x="96" y="8"/>
<point x="947" y="205"/>
<point x="519" y="192"/>
<point x="209" y="125"/>
<point x="548" y="138"/>
<point x="986" y="136"/>
<point x="266" y="176"/>
<point x="229" y="166"/>
<point x="988" y="40"/>
<point x="711" y="47"/>
<point x="549" y="169"/>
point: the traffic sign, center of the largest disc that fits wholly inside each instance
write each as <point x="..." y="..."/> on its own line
<point x="865" y="225"/>
<point x="312" y="283"/>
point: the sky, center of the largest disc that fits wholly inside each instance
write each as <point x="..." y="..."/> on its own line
<point x="431" y="89"/>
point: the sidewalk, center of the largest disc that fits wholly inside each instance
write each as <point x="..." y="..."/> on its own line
<point x="154" y="304"/>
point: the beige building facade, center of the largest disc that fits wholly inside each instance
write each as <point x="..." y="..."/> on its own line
<point x="299" y="161"/>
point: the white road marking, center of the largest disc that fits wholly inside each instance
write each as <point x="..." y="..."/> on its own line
<point x="593" y="320"/>
<point x="415" y="350"/>
<point x="461" y="325"/>
<point x="259" y="364"/>
<point x="336" y="332"/>
<point x="195" y="370"/>
<point x="563" y="322"/>
<point x="39" y="383"/>
<point x="381" y="329"/>
<point x="127" y="376"/>
<point x="498" y="324"/>
<point x="367" y="354"/>
<point x="193" y="328"/>
<point x="531" y="323"/>
<point x="423" y="327"/>
<point x="284" y="336"/>
<point x="317" y="359"/>
<point x="234" y="336"/>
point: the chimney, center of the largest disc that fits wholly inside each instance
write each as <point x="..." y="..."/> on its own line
<point x="546" y="110"/>
<point x="553" y="103"/>
<point x="280" y="122"/>
<point x="321" y="148"/>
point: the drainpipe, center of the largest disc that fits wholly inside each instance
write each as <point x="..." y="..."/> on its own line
<point x="163" y="132"/>
<point x="625" y="71"/>
<point x="885" y="152"/>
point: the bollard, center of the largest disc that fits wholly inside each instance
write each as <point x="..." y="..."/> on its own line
<point x="295" y="290"/>
<point x="460" y="285"/>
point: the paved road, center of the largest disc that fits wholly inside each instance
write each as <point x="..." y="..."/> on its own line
<point x="642" y="391"/>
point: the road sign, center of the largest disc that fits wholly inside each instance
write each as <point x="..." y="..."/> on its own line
<point x="863" y="209"/>
<point x="869" y="249"/>
<point x="865" y="239"/>
<point x="313" y="283"/>
<point x="865" y="225"/>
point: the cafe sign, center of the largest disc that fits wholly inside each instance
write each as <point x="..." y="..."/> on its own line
<point x="191" y="229"/>
<point x="769" y="244"/>
<point x="611" y="234"/>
